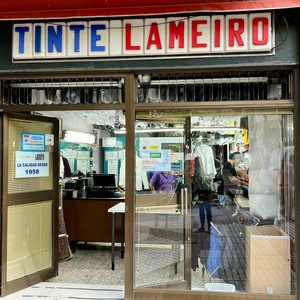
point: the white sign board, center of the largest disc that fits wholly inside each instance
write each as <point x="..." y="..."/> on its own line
<point x="196" y="35"/>
<point x="31" y="164"/>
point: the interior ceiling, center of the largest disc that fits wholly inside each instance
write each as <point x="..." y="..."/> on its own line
<point x="92" y="117"/>
<point x="116" y="119"/>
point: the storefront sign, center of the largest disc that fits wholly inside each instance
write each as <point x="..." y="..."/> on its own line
<point x="33" y="141"/>
<point x="31" y="164"/>
<point x="174" y="36"/>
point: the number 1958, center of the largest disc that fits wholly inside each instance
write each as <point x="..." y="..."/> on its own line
<point x="32" y="171"/>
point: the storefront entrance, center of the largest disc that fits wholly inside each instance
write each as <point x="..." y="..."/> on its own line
<point x="169" y="246"/>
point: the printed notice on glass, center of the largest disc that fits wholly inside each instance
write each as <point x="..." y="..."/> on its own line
<point x="156" y="160"/>
<point x="31" y="164"/>
<point x="33" y="142"/>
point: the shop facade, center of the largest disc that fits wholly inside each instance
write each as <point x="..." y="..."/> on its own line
<point x="226" y="80"/>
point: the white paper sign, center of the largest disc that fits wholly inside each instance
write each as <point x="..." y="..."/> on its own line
<point x="31" y="164"/>
<point x="83" y="154"/>
<point x="49" y="139"/>
<point x="109" y="142"/>
<point x="82" y="165"/>
<point x="111" y="155"/>
<point x="112" y="167"/>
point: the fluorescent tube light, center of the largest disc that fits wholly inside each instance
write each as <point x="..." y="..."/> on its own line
<point x="209" y="80"/>
<point x="208" y="128"/>
<point x="123" y="130"/>
<point x="215" y="128"/>
<point x="73" y="84"/>
<point x="78" y="137"/>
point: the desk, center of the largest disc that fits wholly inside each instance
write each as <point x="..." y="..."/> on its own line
<point x="88" y="220"/>
<point x="118" y="208"/>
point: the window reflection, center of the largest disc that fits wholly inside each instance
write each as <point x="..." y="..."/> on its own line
<point x="228" y="231"/>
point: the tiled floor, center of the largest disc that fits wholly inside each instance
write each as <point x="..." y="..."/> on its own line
<point x="91" y="264"/>
<point x="87" y="275"/>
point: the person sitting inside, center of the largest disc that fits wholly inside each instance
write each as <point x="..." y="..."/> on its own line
<point x="242" y="173"/>
<point x="231" y="180"/>
<point x="162" y="182"/>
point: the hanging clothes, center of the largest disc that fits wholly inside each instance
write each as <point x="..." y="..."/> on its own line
<point x="141" y="180"/>
<point x="245" y="133"/>
<point x="207" y="169"/>
<point x="204" y="172"/>
<point x="66" y="166"/>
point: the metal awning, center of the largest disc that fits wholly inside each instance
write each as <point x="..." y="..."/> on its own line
<point x="51" y="9"/>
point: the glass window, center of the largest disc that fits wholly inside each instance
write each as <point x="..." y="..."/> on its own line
<point x="216" y="208"/>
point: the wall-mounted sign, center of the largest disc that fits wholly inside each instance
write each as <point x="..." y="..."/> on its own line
<point x="33" y="141"/>
<point x="31" y="164"/>
<point x="173" y="36"/>
<point x="156" y="160"/>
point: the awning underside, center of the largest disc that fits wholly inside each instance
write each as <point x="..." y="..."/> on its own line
<point x="49" y="9"/>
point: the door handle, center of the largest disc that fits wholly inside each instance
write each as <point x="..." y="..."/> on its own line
<point x="182" y="200"/>
<point x="186" y="200"/>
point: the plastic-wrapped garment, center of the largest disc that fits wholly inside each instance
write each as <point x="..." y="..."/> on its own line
<point x="266" y="165"/>
<point x="140" y="175"/>
<point x="207" y="167"/>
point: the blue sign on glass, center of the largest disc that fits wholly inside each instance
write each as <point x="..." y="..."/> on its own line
<point x="33" y="142"/>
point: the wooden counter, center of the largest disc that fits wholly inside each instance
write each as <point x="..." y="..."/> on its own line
<point x="88" y="220"/>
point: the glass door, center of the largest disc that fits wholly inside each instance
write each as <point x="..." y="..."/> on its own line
<point x="163" y="203"/>
<point x="211" y="207"/>
<point x="29" y="201"/>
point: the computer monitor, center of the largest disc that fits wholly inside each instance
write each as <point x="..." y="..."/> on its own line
<point x="104" y="181"/>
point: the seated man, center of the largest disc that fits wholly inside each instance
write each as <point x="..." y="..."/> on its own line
<point x="231" y="180"/>
<point x="242" y="173"/>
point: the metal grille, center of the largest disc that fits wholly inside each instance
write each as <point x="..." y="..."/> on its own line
<point x="198" y="87"/>
<point x="215" y="87"/>
<point x="66" y="91"/>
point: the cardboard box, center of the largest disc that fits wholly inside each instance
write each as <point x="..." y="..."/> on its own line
<point x="268" y="260"/>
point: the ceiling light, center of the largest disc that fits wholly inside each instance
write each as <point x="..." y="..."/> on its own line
<point x="214" y="128"/>
<point x="71" y="84"/>
<point x="209" y="80"/>
<point x="78" y="137"/>
<point x="123" y="130"/>
<point x="208" y="128"/>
